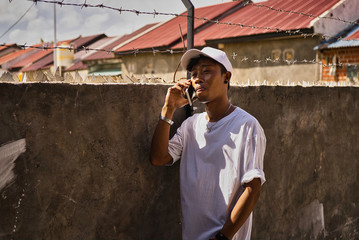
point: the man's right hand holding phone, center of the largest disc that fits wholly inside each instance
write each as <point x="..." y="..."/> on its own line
<point x="175" y="98"/>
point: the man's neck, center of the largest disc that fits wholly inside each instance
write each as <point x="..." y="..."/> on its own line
<point x="217" y="110"/>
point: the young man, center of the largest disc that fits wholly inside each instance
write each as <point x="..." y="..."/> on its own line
<point x="221" y="152"/>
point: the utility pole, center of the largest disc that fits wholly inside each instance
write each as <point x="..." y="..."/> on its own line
<point x="190" y="23"/>
<point x="55" y="41"/>
<point x="190" y="40"/>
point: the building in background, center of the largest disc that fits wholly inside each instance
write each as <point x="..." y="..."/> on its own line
<point x="40" y="57"/>
<point x="272" y="41"/>
<point x="268" y="42"/>
<point x="95" y="63"/>
<point x="340" y="57"/>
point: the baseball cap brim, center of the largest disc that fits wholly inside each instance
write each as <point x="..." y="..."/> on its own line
<point x="215" y="54"/>
<point x="190" y="54"/>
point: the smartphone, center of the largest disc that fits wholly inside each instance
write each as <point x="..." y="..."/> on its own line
<point x="190" y="94"/>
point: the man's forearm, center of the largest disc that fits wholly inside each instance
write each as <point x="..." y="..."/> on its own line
<point x="159" y="147"/>
<point x="174" y="100"/>
<point x="243" y="208"/>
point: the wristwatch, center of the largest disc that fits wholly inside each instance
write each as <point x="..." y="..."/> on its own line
<point x="167" y="120"/>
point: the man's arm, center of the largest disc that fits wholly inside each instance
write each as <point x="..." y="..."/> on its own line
<point x="243" y="208"/>
<point x="159" y="146"/>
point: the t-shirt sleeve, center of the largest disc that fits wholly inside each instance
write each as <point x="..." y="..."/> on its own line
<point x="175" y="146"/>
<point x="253" y="155"/>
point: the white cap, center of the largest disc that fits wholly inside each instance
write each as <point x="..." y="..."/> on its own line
<point x="213" y="53"/>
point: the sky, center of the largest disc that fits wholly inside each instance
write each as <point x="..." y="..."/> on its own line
<point x="72" y="21"/>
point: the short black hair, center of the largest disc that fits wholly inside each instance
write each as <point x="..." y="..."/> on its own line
<point x="195" y="60"/>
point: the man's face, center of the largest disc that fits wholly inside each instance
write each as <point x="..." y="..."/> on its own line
<point x="208" y="81"/>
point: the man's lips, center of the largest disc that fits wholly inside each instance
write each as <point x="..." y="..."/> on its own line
<point x="200" y="89"/>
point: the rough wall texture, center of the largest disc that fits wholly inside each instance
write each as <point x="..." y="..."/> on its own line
<point x="85" y="173"/>
<point x="311" y="162"/>
<point x="254" y="61"/>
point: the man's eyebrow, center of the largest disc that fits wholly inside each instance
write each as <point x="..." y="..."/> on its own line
<point x="202" y="65"/>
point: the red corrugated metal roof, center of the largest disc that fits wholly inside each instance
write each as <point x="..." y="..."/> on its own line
<point x="3" y="47"/>
<point x="263" y="17"/>
<point x="80" y="55"/>
<point x="96" y="45"/>
<point x="32" y="58"/>
<point x="347" y="42"/>
<point x="168" y="33"/>
<point x="43" y="63"/>
<point x="120" y="40"/>
<point x="354" y="35"/>
<point x="106" y="44"/>
<point x="13" y="55"/>
<point x="7" y="49"/>
<point x="47" y="59"/>
<point x="85" y="41"/>
<point x="77" y="66"/>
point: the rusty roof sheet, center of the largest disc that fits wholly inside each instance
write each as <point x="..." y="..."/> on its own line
<point x="354" y="35"/>
<point x="46" y="60"/>
<point x="118" y="41"/>
<point x="37" y="55"/>
<point x="351" y="40"/>
<point x="79" y="65"/>
<point x="169" y="33"/>
<point x="13" y="55"/>
<point x="43" y="63"/>
<point x="86" y="41"/>
<point x="3" y="47"/>
<point x="82" y="54"/>
<point x="106" y="44"/>
<point x="257" y="20"/>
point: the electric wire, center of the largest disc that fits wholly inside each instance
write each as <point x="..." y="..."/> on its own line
<point x="17" y="21"/>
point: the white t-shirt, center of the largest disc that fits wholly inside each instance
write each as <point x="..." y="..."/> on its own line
<point x="213" y="168"/>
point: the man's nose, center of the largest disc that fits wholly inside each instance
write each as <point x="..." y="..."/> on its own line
<point x="198" y="78"/>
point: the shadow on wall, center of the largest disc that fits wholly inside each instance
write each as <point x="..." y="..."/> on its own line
<point x="86" y="174"/>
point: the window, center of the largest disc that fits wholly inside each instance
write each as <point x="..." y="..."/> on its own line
<point x="276" y="54"/>
<point x="288" y="54"/>
<point x="352" y="73"/>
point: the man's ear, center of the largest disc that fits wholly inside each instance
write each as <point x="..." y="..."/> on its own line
<point x="227" y="77"/>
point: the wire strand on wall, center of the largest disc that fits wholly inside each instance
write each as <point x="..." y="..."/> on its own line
<point x="204" y="19"/>
<point x="154" y="51"/>
<point x="87" y="49"/>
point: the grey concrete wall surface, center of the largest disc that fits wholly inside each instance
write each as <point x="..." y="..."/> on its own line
<point x="85" y="171"/>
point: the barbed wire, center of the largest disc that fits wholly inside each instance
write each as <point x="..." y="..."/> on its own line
<point x="120" y="10"/>
<point x="87" y="49"/>
<point x="154" y="51"/>
<point x="290" y="62"/>
<point x="204" y="19"/>
<point x="296" y="12"/>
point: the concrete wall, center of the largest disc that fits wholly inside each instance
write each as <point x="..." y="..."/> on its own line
<point x="85" y="173"/>
<point x="250" y="65"/>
